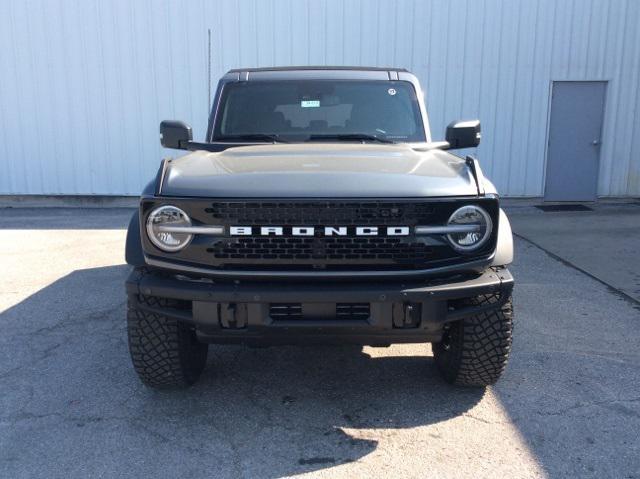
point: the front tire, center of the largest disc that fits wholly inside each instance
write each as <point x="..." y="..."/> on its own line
<point x="474" y="351"/>
<point x="165" y="352"/>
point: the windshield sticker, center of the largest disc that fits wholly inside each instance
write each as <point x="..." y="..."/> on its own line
<point x="391" y="91"/>
<point x="310" y="103"/>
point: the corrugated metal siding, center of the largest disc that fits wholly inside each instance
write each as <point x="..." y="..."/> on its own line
<point x="84" y="83"/>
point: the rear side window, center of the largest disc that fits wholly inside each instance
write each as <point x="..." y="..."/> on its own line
<point x="297" y="109"/>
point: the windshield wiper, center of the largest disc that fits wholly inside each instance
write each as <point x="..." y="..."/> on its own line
<point x="350" y="137"/>
<point x="252" y="137"/>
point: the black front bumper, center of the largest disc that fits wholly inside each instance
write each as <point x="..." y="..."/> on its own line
<point x="243" y="312"/>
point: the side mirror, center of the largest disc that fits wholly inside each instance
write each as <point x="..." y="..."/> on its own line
<point x="463" y="134"/>
<point x="175" y="134"/>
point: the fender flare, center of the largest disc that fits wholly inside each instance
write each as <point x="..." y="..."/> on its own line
<point x="504" y="247"/>
<point x="133" y="250"/>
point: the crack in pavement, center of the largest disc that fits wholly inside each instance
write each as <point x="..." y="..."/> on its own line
<point x="562" y="412"/>
<point x="73" y="318"/>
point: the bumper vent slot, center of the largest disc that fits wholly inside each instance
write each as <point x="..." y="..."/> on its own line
<point x="285" y="311"/>
<point x="319" y="311"/>
<point x="353" y="311"/>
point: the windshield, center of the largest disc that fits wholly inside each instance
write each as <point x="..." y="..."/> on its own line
<point x="317" y="110"/>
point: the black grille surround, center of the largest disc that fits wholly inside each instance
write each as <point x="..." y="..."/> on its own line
<point x="320" y="253"/>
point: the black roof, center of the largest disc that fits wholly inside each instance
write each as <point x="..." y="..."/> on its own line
<point x="298" y="68"/>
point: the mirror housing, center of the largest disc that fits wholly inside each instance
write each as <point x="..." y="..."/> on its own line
<point x="175" y="134"/>
<point x="463" y="134"/>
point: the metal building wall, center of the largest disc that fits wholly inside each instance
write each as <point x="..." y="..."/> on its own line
<point x="84" y="83"/>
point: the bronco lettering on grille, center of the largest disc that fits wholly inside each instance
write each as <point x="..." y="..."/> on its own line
<point x="319" y="231"/>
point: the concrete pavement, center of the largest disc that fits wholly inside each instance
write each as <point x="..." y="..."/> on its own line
<point x="71" y="406"/>
<point x="604" y="242"/>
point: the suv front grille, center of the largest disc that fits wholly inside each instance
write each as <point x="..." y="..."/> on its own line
<point x="348" y="252"/>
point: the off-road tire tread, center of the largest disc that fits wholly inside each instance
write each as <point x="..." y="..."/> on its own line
<point x="479" y="345"/>
<point x="164" y="351"/>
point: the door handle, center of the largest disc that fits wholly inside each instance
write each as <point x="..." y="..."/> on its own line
<point x="595" y="142"/>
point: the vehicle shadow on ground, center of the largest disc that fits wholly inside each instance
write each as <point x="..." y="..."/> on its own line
<point x="311" y="407"/>
<point x="256" y="412"/>
<point x="65" y="375"/>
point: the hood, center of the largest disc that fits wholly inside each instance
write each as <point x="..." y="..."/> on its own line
<point x="318" y="170"/>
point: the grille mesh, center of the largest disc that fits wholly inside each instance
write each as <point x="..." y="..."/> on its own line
<point x="327" y="213"/>
<point x="375" y="249"/>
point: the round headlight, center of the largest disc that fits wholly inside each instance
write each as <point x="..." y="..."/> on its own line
<point x="164" y="227"/>
<point x="475" y="228"/>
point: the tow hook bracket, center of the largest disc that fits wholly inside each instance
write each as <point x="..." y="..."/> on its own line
<point x="233" y="315"/>
<point x="406" y="315"/>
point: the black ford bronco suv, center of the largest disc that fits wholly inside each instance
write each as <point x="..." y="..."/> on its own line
<point x="319" y="210"/>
